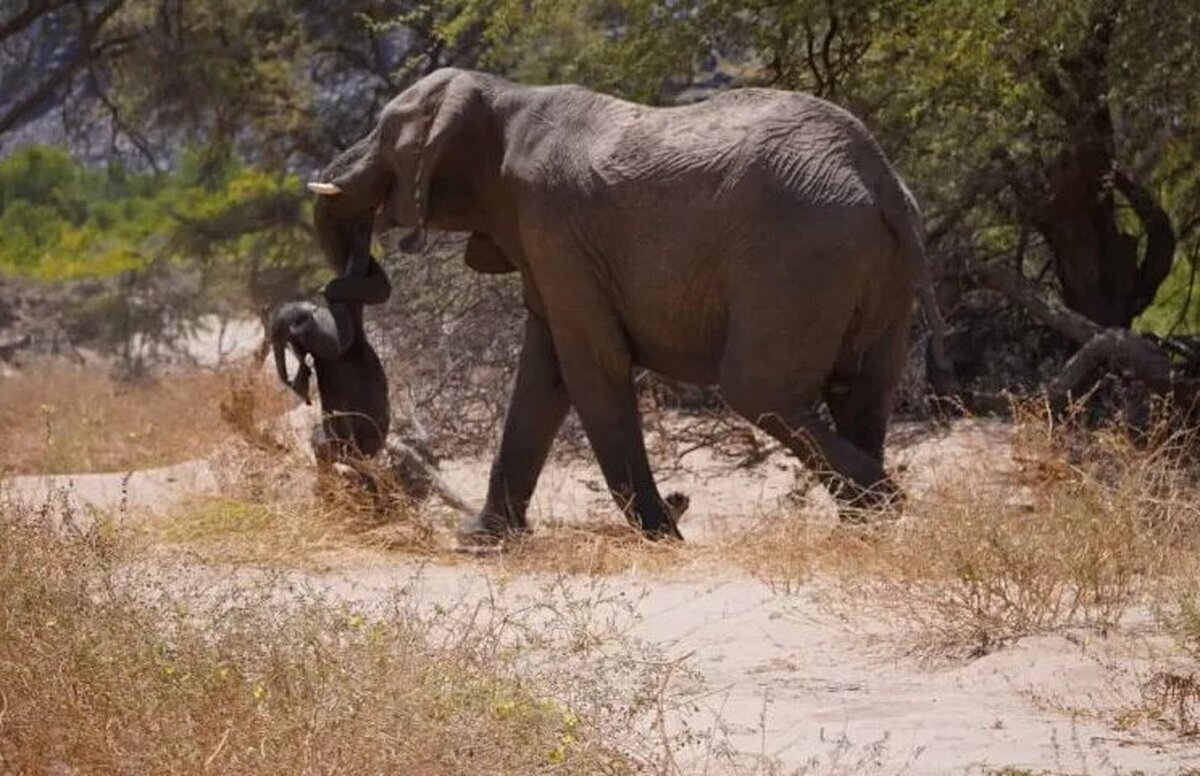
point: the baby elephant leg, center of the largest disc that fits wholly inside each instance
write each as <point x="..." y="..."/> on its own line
<point x="337" y="462"/>
<point x="324" y="449"/>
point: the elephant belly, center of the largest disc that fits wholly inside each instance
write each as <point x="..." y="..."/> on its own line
<point x="787" y="288"/>
<point x="676" y="332"/>
<point x="688" y="367"/>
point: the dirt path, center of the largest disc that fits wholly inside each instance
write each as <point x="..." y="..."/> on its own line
<point x="781" y="676"/>
<point x="785" y="678"/>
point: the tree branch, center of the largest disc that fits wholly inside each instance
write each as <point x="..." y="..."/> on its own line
<point x="135" y="137"/>
<point x="1111" y="348"/>
<point x="1072" y="325"/>
<point x="1160" y="241"/>
<point x="31" y="14"/>
<point x="60" y="77"/>
<point x="1114" y="349"/>
<point x="810" y="36"/>
<point x="826" y="49"/>
<point x="983" y="183"/>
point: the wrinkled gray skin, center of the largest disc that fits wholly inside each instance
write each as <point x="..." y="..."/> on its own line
<point x="355" y="413"/>
<point x="759" y="241"/>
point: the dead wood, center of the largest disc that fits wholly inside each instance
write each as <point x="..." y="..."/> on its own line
<point x="1112" y="349"/>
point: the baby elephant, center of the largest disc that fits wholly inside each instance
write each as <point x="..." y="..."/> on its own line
<point x="350" y="378"/>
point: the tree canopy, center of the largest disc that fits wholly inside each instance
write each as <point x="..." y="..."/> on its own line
<point x="1058" y="139"/>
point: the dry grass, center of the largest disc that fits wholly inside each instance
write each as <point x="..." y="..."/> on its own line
<point x="600" y="547"/>
<point x="315" y="523"/>
<point x="1170" y="694"/>
<point x="1096" y="521"/>
<point x="79" y="420"/>
<point x="116" y="665"/>
<point x="273" y="510"/>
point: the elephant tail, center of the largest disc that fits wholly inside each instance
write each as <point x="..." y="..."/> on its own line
<point x="904" y="217"/>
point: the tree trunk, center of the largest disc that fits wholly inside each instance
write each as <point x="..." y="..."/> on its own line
<point x="1100" y="268"/>
<point x="1095" y="263"/>
<point x="1105" y="273"/>
<point x="1102" y="348"/>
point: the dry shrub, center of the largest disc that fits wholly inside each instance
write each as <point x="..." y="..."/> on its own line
<point x="1170" y="697"/>
<point x="1095" y="520"/>
<point x="62" y="419"/>
<point x="367" y="500"/>
<point x="273" y="508"/>
<point x="786" y="550"/>
<point x="1171" y="700"/>
<point x="449" y="339"/>
<point x="1098" y="520"/>
<point x="251" y="405"/>
<point x="113" y="667"/>
<point x="277" y="511"/>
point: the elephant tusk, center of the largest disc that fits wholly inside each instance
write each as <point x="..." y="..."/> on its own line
<point x="324" y="189"/>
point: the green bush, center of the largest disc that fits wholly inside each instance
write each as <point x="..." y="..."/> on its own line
<point x="60" y="220"/>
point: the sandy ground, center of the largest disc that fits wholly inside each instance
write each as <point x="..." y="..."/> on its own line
<point x="783" y="676"/>
<point x="786" y="680"/>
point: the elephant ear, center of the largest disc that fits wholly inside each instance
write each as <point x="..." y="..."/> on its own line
<point x="447" y="127"/>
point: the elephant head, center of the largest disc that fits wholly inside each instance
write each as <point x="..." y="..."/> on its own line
<point x="305" y="328"/>
<point x="432" y="160"/>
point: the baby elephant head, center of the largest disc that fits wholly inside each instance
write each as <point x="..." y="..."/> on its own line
<point x="306" y="329"/>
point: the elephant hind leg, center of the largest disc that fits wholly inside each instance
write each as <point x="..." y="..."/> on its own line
<point x="856" y="479"/>
<point x="853" y="475"/>
<point x="860" y="400"/>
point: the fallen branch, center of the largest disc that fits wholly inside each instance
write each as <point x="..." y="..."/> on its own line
<point x="1112" y="349"/>
<point x="1115" y="349"/>
<point x="1056" y="315"/>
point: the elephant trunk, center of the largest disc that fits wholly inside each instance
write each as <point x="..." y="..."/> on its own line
<point x="344" y="233"/>
<point x="350" y="190"/>
<point x="300" y="383"/>
<point x="279" y="345"/>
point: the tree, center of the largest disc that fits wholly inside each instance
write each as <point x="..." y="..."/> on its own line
<point x="1061" y="137"/>
<point x="282" y="83"/>
<point x="36" y="74"/>
<point x="1053" y="122"/>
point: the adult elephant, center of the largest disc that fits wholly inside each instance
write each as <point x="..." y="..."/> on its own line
<point x="760" y="241"/>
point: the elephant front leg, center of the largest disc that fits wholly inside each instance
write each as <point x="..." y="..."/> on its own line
<point x="537" y="408"/>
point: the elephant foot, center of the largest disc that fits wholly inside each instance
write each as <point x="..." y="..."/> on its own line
<point x="677" y="505"/>
<point x="663" y="533"/>
<point x="858" y="505"/>
<point x="487" y="529"/>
